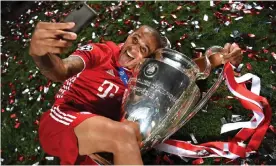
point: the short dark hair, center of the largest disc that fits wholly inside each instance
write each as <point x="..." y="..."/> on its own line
<point x="160" y="40"/>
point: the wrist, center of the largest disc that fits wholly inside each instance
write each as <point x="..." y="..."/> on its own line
<point x="215" y="60"/>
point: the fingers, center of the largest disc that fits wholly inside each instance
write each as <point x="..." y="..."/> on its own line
<point x="56" y="43"/>
<point x="236" y="60"/>
<point x="233" y="46"/>
<point x="236" y="52"/>
<point x="45" y="34"/>
<point x="55" y="26"/>
<point x="226" y="48"/>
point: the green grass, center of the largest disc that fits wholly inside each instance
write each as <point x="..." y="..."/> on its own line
<point x="23" y="141"/>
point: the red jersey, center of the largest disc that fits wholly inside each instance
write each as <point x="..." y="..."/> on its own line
<point x="97" y="88"/>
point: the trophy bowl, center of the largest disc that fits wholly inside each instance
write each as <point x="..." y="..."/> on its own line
<point x="162" y="95"/>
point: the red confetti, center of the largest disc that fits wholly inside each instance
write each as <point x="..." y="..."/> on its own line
<point x="265" y="51"/>
<point x="229" y="107"/>
<point x="36" y="122"/>
<point x="198" y="161"/>
<point x="248" y="66"/>
<point x="17" y="125"/>
<point x="2" y="110"/>
<point x="272" y="128"/>
<point x="274" y="55"/>
<point x="30" y="76"/>
<point x="184" y="36"/>
<point x="167" y="159"/>
<point x="41" y="88"/>
<point x="158" y="160"/>
<point x="127" y="22"/>
<point x="21" y="158"/>
<point x="13" y="115"/>
<point x="216" y="160"/>
<point x="251" y="35"/>
<point x="11" y="101"/>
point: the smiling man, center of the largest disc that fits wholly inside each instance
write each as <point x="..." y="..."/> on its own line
<point x="86" y="117"/>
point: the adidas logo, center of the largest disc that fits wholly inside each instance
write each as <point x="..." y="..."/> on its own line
<point x="110" y="72"/>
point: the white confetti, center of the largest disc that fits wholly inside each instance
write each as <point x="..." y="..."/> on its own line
<point x="29" y="11"/>
<point x="35" y="17"/>
<point x="2" y="159"/>
<point x="46" y="89"/>
<point x="130" y="32"/>
<point x="205" y="18"/>
<point x="174" y="16"/>
<point x="258" y="7"/>
<point x="238" y="18"/>
<point x="49" y="158"/>
<point x="25" y="91"/>
<point x="193" y="138"/>
<point x="92" y="25"/>
<point x="193" y="44"/>
<point x="31" y="21"/>
<point x="227" y="23"/>
<point x="56" y="11"/>
<point x="211" y="3"/>
<point x="93" y="35"/>
<point x="39" y="97"/>
<point x="170" y="29"/>
<point x="137" y="6"/>
<point x="156" y="22"/>
<point x="35" y="164"/>
<point x="236" y="118"/>
<point x="223" y="120"/>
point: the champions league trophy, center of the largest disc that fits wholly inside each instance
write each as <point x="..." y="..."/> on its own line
<point x="162" y="95"/>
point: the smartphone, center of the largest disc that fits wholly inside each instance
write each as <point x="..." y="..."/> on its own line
<point x="82" y="15"/>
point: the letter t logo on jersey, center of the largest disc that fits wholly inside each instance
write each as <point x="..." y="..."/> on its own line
<point x="107" y="90"/>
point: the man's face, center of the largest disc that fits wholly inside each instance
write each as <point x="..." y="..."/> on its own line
<point x="140" y="44"/>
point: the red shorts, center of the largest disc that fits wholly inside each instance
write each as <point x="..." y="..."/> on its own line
<point x="57" y="137"/>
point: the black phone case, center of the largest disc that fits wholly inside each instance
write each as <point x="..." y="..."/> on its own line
<point x="81" y="16"/>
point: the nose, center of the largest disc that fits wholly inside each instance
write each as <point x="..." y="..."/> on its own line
<point x="134" y="50"/>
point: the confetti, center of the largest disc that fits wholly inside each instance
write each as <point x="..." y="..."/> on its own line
<point x="193" y="138"/>
<point x="198" y="161"/>
<point x="205" y="18"/>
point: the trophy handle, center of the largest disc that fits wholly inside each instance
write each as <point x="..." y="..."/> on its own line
<point x="205" y="98"/>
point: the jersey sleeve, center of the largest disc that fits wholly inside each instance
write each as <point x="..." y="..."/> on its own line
<point x="92" y="54"/>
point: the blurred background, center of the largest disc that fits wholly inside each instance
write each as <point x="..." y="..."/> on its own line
<point x="191" y="27"/>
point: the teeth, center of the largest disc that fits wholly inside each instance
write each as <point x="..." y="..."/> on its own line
<point x="129" y="54"/>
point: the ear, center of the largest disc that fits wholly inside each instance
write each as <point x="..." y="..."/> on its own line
<point x="165" y="42"/>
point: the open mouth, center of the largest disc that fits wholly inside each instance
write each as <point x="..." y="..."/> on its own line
<point x="129" y="54"/>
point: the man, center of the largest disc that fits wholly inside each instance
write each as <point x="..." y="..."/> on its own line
<point x="86" y="117"/>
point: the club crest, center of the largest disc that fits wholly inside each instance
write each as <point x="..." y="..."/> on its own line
<point x="86" y="48"/>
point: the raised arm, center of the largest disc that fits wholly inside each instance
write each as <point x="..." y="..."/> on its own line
<point x="48" y="41"/>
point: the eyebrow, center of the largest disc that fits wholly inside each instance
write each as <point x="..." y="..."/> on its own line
<point x="145" y="43"/>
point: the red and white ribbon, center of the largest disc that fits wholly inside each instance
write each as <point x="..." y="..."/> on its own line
<point x="255" y="129"/>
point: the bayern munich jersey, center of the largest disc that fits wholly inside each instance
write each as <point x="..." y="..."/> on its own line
<point x="97" y="88"/>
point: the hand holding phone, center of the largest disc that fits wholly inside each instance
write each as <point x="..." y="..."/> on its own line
<point x="81" y="16"/>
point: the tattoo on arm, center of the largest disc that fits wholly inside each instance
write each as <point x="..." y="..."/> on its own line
<point x="57" y="69"/>
<point x="73" y="65"/>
